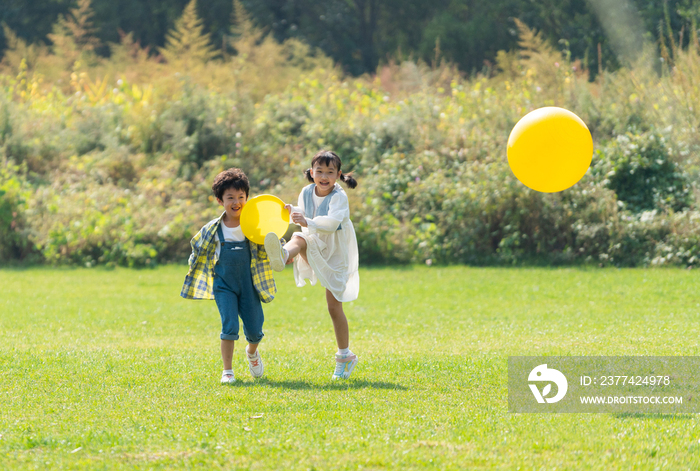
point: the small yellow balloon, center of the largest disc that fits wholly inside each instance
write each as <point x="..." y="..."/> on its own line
<point x="550" y="149"/>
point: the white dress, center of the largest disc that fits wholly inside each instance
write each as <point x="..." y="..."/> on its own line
<point x="331" y="253"/>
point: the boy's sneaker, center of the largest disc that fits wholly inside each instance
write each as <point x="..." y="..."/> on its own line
<point x="228" y="378"/>
<point x="255" y="364"/>
<point x="275" y="252"/>
<point x="344" y="364"/>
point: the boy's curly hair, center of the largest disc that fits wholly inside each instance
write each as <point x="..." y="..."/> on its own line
<point x="231" y="178"/>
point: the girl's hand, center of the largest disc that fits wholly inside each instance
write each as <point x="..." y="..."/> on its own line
<point x="298" y="218"/>
<point x="289" y="208"/>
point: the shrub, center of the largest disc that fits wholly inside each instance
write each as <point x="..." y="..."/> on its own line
<point x="643" y="174"/>
<point x="196" y="127"/>
<point x="118" y="171"/>
<point x="14" y="244"/>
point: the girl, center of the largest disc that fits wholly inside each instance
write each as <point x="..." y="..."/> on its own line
<point x="326" y="246"/>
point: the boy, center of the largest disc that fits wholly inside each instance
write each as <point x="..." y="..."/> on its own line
<point x="236" y="273"/>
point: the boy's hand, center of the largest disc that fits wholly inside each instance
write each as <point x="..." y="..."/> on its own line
<point x="289" y="208"/>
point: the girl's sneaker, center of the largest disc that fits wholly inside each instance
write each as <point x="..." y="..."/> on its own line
<point x="275" y="252"/>
<point x="228" y="378"/>
<point x="344" y="364"/>
<point x="255" y="364"/>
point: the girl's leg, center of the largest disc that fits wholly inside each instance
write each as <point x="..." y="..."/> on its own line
<point x="345" y="360"/>
<point x="296" y="246"/>
<point x="227" y="353"/>
<point x="340" y="322"/>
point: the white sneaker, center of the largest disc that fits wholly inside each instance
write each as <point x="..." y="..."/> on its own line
<point x="228" y="378"/>
<point x="344" y="364"/>
<point x="275" y="252"/>
<point x="255" y="364"/>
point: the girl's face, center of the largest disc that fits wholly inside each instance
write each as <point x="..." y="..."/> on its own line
<point x="324" y="177"/>
<point x="233" y="201"/>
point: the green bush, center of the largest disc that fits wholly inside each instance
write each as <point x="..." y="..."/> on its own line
<point x="432" y="207"/>
<point x="14" y="243"/>
<point x="122" y="175"/>
<point x="196" y="127"/>
<point x="643" y="175"/>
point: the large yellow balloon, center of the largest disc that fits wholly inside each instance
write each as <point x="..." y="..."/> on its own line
<point x="262" y="215"/>
<point x="550" y="149"/>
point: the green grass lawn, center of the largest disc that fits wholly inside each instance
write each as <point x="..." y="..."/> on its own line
<point x="112" y="369"/>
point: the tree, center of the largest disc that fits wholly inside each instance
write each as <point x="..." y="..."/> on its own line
<point x="367" y="14"/>
<point x="471" y="32"/>
<point x="241" y="23"/>
<point x="17" y="49"/>
<point x="244" y="32"/>
<point x="187" y="40"/>
<point x="63" y="44"/>
<point x="81" y="26"/>
<point x="73" y="35"/>
<point x="357" y="34"/>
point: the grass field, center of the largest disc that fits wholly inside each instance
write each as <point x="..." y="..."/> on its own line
<point x="113" y="370"/>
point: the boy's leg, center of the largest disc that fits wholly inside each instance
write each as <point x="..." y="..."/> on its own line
<point x="251" y="313"/>
<point x="227" y="302"/>
<point x="227" y="353"/>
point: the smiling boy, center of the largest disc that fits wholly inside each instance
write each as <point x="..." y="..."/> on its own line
<point x="236" y="273"/>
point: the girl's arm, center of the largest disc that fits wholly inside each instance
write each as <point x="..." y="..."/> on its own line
<point x="293" y="209"/>
<point x="338" y="210"/>
<point x="296" y="209"/>
<point x="297" y="218"/>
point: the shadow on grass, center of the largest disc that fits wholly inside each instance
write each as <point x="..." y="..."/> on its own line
<point x="654" y="415"/>
<point x="334" y="386"/>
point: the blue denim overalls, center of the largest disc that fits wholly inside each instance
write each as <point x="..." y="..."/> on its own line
<point x="234" y="292"/>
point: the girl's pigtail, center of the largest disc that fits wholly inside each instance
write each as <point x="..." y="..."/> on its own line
<point x="307" y="174"/>
<point x="348" y="179"/>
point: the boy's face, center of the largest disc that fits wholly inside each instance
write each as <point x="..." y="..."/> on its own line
<point x="324" y="177"/>
<point x="233" y="201"/>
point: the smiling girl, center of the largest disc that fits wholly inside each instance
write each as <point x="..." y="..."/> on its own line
<point x="326" y="247"/>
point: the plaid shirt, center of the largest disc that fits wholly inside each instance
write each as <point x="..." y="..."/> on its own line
<point x="199" y="282"/>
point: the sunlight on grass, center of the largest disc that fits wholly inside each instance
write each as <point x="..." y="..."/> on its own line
<point x="113" y="369"/>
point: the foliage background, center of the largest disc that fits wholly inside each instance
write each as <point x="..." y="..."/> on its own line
<point x="109" y="160"/>
<point x="362" y="34"/>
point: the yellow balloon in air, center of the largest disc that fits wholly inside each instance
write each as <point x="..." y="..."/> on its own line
<point x="550" y="149"/>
